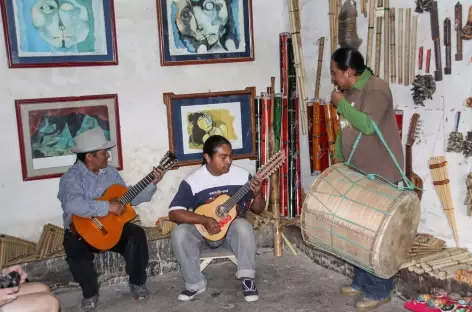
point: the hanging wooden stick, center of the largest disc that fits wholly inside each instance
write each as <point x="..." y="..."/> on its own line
<point x="370" y="33"/>
<point x="378" y="33"/>
<point x="406" y="71"/>
<point x="274" y="179"/>
<point x="332" y="29"/>
<point x="458" y="27"/>
<point x="400" y="47"/>
<point x="294" y="16"/>
<point x="387" y="42"/>
<point x="393" y="52"/>
<point x="437" y="41"/>
<point x="413" y="49"/>
<point x="447" y="45"/>
<point x="364" y="7"/>
<point x="467" y="30"/>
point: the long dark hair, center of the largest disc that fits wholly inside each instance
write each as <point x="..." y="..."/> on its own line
<point x="212" y="144"/>
<point x="349" y="58"/>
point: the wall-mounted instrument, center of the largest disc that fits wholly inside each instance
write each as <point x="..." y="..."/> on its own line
<point x="412" y="135"/>
<point x="467" y="30"/>
<point x="437" y="41"/>
<point x="447" y="45"/>
<point x="458" y="28"/>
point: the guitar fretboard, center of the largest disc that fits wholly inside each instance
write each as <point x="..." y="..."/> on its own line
<point x="236" y="198"/>
<point x="136" y="189"/>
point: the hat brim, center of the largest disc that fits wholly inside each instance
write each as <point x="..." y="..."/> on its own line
<point x="107" y="145"/>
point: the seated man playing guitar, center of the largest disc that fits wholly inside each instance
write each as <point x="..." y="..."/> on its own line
<point x="79" y="188"/>
<point x="215" y="177"/>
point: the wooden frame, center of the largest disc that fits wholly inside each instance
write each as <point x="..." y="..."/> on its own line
<point x="33" y="42"/>
<point x="232" y="116"/>
<point x="47" y="126"/>
<point x="186" y="50"/>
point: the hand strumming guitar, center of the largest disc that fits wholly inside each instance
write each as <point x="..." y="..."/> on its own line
<point x="212" y="226"/>
<point x="116" y="207"/>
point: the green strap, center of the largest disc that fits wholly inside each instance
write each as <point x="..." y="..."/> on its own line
<point x="409" y="185"/>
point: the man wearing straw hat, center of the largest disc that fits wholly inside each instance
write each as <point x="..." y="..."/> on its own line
<point x="86" y="180"/>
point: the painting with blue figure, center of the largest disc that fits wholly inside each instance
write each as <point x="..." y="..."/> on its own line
<point x="202" y="31"/>
<point x="55" y="31"/>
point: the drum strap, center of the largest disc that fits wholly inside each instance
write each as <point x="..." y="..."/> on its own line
<point x="408" y="184"/>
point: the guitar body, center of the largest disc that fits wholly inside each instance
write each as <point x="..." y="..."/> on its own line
<point x="112" y="224"/>
<point x="210" y="210"/>
<point x="418" y="182"/>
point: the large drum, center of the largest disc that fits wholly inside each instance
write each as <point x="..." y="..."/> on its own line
<point x="361" y="219"/>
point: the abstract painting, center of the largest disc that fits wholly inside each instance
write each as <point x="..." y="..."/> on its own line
<point x="55" y="33"/>
<point x="47" y="128"/>
<point x="205" y="31"/>
<point x="193" y="118"/>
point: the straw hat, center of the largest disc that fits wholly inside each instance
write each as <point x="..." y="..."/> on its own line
<point x="90" y="141"/>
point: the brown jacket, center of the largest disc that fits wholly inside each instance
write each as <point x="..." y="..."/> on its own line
<point x="374" y="99"/>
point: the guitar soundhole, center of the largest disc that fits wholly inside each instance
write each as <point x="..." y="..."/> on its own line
<point x="220" y="211"/>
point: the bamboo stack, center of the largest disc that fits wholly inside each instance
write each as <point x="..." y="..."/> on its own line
<point x="295" y="25"/>
<point x="437" y="166"/>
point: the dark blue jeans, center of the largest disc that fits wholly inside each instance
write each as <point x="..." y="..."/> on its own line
<point x="374" y="288"/>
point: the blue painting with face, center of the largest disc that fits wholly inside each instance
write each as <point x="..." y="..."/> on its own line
<point x="79" y="30"/>
<point x="206" y="29"/>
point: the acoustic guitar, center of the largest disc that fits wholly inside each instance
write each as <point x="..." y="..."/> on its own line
<point x="412" y="134"/>
<point x="103" y="233"/>
<point x="223" y="208"/>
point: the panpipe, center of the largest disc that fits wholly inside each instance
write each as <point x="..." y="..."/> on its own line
<point x="265" y="131"/>
<point x="447" y="45"/>
<point x="458" y="28"/>
<point x="435" y="35"/>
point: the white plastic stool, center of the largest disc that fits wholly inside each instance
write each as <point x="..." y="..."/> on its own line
<point x="208" y="254"/>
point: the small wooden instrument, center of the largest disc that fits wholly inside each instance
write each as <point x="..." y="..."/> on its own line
<point x="458" y="27"/>
<point x="447" y="44"/>
<point x="103" y="233"/>
<point x="435" y="35"/>
<point x="412" y="133"/>
<point x="223" y="208"/>
<point x="467" y="29"/>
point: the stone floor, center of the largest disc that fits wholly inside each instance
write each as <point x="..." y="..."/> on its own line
<point x="289" y="284"/>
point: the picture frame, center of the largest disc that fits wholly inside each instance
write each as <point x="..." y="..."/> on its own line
<point x="86" y="38"/>
<point x="192" y="118"/>
<point x="231" y="37"/>
<point x="47" y="128"/>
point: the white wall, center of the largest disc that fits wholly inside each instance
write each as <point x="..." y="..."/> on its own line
<point x="139" y="81"/>
<point x="438" y="116"/>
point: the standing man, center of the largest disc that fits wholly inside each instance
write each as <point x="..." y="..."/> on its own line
<point x="86" y="180"/>
<point x="216" y="176"/>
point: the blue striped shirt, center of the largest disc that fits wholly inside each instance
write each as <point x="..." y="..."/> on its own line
<point x="79" y="187"/>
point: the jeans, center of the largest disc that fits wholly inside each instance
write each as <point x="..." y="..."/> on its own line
<point x="132" y="246"/>
<point x="186" y="243"/>
<point x="373" y="287"/>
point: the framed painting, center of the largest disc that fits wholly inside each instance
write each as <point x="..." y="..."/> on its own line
<point x="47" y="128"/>
<point x="192" y="118"/>
<point x="205" y="31"/>
<point x="59" y="33"/>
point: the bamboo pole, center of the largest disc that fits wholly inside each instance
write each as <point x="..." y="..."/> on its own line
<point x="370" y="33"/>
<point x="387" y="42"/>
<point x="413" y="49"/>
<point x="274" y="179"/>
<point x="378" y="38"/>
<point x="393" y="54"/>
<point x="406" y="52"/>
<point x="400" y="53"/>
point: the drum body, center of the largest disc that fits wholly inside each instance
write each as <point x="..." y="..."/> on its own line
<point x="362" y="220"/>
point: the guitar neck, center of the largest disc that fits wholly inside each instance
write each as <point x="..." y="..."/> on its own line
<point x="236" y="198"/>
<point x="408" y="161"/>
<point x="136" y="189"/>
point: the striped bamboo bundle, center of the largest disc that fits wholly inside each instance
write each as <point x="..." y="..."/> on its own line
<point x="437" y="166"/>
<point x="292" y="124"/>
<point x="330" y="131"/>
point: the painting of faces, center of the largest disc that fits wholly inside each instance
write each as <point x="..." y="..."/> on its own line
<point x="207" y="29"/>
<point x="60" y="27"/>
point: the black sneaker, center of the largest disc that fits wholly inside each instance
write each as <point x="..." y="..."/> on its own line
<point x="189" y="295"/>
<point x="90" y="303"/>
<point x="139" y="292"/>
<point x="249" y="290"/>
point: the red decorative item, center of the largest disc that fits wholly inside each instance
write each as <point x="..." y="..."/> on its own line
<point x="298" y="181"/>
<point x="399" y="117"/>
<point x="265" y="122"/>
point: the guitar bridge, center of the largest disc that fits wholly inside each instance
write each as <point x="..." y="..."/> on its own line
<point x="99" y="225"/>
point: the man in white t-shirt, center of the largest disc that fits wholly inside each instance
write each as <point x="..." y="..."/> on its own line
<point x="216" y="176"/>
